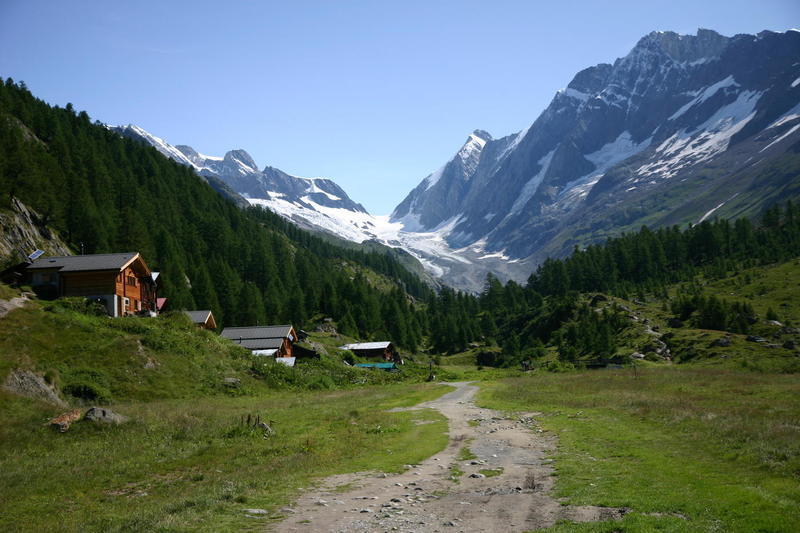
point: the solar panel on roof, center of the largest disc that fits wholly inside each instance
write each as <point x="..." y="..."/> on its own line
<point x="35" y="255"/>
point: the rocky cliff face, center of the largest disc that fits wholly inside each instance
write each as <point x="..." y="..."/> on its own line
<point x="23" y="231"/>
<point x="682" y="127"/>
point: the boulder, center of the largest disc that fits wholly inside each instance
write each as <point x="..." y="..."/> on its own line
<point x="232" y="382"/>
<point x="790" y="345"/>
<point x="723" y="342"/>
<point x="268" y="431"/>
<point x="326" y="326"/>
<point x="101" y="415"/>
<point x="31" y="385"/>
<point x="637" y="355"/>
<point x="754" y="338"/>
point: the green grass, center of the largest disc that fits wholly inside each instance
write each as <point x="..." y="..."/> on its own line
<point x="447" y="372"/>
<point x="184" y="462"/>
<point x="491" y="472"/>
<point x="455" y="473"/>
<point x="775" y="286"/>
<point x="6" y="292"/>
<point x="721" y="448"/>
<point x="112" y="356"/>
<point x="183" y="465"/>
<point x="465" y="454"/>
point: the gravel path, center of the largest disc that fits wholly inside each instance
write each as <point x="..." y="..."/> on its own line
<point x="6" y="306"/>
<point x="425" y="498"/>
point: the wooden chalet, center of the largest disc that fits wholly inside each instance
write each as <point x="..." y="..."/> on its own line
<point x="374" y="350"/>
<point x="271" y="341"/>
<point x="204" y="318"/>
<point x="123" y="282"/>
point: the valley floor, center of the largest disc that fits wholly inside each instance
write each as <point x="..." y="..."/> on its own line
<point x="494" y="475"/>
<point x="665" y="448"/>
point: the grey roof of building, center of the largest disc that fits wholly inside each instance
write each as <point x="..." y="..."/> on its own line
<point x="259" y="344"/>
<point x="199" y="317"/>
<point x="80" y="263"/>
<point x="257" y="332"/>
<point x="382" y="345"/>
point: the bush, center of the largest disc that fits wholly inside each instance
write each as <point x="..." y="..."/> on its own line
<point x="78" y="305"/>
<point x="52" y="378"/>
<point x="321" y="383"/>
<point x="487" y="358"/>
<point x="86" y="390"/>
<point x="558" y="366"/>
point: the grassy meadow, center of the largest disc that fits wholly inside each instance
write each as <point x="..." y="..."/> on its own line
<point x="184" y="461"/>
<point x="189" y="465"/>
<point x="686" y="449"/>
<point x="709" y="441"/>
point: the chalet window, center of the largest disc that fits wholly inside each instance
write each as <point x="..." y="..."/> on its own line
<point x="131" y="280"/>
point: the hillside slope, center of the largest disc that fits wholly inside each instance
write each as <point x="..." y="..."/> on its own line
<point x="186" y="458"/>
<point x="104" y="193"/>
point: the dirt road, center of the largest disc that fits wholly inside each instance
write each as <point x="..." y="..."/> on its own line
<point x="506" y="487"/>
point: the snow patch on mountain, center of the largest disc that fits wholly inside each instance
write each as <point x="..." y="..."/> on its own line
<point x="574" y="93"/>
<point x="620" y="149"/>
<point x="689" y="147"/>
<point x="159" y="144"/>
<point x="704" y="95"/>
<point x="530" y="188"/>
<point x="792" y="114"/>
<point x="434" y="178"/>
<point x="782" y="137"/>
<point x="513" y="145"/>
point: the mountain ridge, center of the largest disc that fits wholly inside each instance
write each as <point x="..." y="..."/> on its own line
<point x="675" y="103"/>
<point x="657" y="137"/>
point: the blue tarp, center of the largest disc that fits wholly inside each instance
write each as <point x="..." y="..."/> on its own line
<point x="382" y="366"/>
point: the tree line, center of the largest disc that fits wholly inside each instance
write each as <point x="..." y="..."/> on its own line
<point x="108" y="193"/>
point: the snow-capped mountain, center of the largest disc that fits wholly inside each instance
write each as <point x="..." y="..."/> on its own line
<point x="315" y="202"/>
<point x="238" y="170"/>
<point x="683" y="127"/>
<point x="319" y="204"/>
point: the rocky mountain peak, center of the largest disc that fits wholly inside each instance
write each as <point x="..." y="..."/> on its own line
<point x="186" y="150"/>
<point x="483" y="135"/>
<point x="683" y="48"/>
<point x="241" y="157"/>
<point x="591" y="80"/>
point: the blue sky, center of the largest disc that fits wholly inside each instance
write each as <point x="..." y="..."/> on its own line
<point x="375" y="95"/>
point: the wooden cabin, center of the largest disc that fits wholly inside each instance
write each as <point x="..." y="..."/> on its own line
<point x="123" y="282"/>
<point x="204" y="318"/>
<point x="271" y="341"/>
<point x="374" y="350"/>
